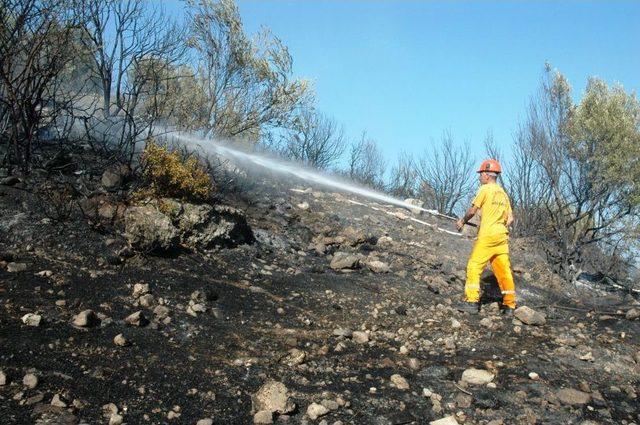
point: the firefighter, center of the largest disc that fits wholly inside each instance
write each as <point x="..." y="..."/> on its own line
<point x="492" y="244"/>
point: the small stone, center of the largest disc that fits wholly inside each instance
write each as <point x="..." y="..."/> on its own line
<point x="263" y="417"/>
<point x="120" y="340"/>
<point x="146" y="301"/>
<point x="573" y="397"/>
<point x="86" y="319"/>
<point x="455" y="324"/>
<point x="161" y="312"/>
<point x="477" y="376"/>
<point x="399" y="382"/>
<point x="45" y="273"/>
<point x="529" y="316"/>
<point x="294" y="357"/>
<point x="330" y="404"/>
<point x="414" y="363"/>
<point x="140" y="289"/>
<point x="273" y="396"/>
<point x="116" y="419"/>
<point x="632" y="314"/>
<point x="343" y="332"/>
<point x="16" y="267"/>
<point x="315" y="410"/>
<point x="30" y="381"/>
<point x="378" y="266"/>
<point x="136" y="319"/>
<point x="206" y="421"/>
<point x="534" y="376"/>
<point x="303" y="206"/>
<point x="58" y="402"/>
<point x="3" y="378"/>
<point x="32" y="319"/>
<point x="10" y="181"/>
<point x="449" y="420"/>
<point x="360" y="337"/>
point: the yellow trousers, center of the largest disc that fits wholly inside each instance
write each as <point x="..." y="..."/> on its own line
<point x="494" y="249"/>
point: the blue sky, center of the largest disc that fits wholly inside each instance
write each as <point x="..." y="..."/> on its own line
<point x="405" y="71"/>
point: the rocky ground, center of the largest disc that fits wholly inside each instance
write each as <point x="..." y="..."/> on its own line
<point x="286" y="304"/>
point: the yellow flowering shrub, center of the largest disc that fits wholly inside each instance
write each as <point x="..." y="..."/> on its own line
<point x="168" y="175"/>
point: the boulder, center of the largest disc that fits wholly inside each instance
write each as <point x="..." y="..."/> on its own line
<point x="147" y="229"/>
<point x="530" y="316"/>
<point x="206" y="226"/>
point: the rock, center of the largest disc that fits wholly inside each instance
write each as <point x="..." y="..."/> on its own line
<point x="294" y="357"/>
<point x="477" y="376"/>
<point x="114" y="177"/>
<point x="146" y="301"/>
<point x="116" y="419"/>
<point x="449" y="420"/>
<point x="455" y="324"/>
<point x="161" y="312"/>
<point x="3" y="378"/>
<point x="343" y="332"/>
<point x="304" y="206"/>
<point x="86" y="319"/>
<point x="32" y="319"/>
<point x="632" y="314"/>
<point x="30" y="381"/>
<point x="273" y="397"/>
<point x="360" y="337"/>
<point x="57" y="401"/>
<point x="315" y="410"/>
<point x="378" y="266"/>
<point x="16" y="267"/>
<point x="147" y="229"/>
<point x="399" y="382"/>
<point x="330" y="404"/>
<point x="354" y="237"/>
<point x="529" y="316"/>
<point x="140" y="289"/>
<point x="206" y="421"/>
<point x="263" y="417"/>
<point x="534" y="376"/>
<point x="344" y="260"/>
<point x="206" y="226"/>
<point x="136" y="319"/>
<point x="120" y="340"/>
<point x="10" y="181"/>
<point x="572" y="397"/>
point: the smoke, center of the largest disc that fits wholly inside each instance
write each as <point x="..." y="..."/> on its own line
<point x="250" y="160"/>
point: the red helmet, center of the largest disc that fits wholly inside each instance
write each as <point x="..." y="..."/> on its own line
<point x="490" y="166"/>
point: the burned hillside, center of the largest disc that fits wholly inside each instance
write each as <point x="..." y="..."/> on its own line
<point x="285" y="305"/>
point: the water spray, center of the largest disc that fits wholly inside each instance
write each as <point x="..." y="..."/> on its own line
<point x="314" y="177"/>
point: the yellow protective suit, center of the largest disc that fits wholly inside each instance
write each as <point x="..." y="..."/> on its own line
<point x="492" y="245"/>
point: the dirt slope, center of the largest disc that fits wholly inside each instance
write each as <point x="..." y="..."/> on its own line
<point x="230" y="320"/>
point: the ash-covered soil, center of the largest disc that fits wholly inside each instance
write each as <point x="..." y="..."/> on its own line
<point x="374" y="343"/>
